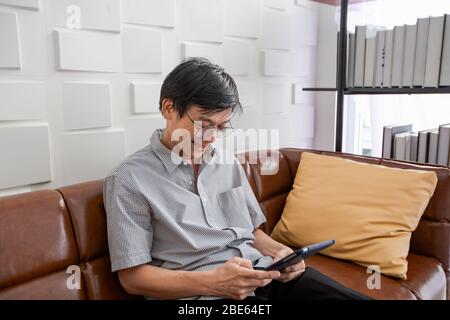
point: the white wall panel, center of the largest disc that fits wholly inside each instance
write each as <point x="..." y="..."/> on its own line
<point x="86" y="51"/>
<point x="279" y="123"/>
<point x="212" y="52"/>
<point x="25" y="156"/>
<point x="94" y="14"/>
<point x="301" y="121"/>
<point x="245" y="135"/>
<point x="149" y="12"/>
<point x="275" y="97"/>
<point x="22" y="100"/>
<point x="10" y="56"/>
<point x="90" y="156"/>
<point x="34" y="42"/>
<point x="276" y="63"/>
<point x="305" y="25"/>
<point x="86" y="105"/>
<point x="248" y="93"/>
<point x="305" y="143"/>
<point x="307" y="4"/>
<point x="26" y="4"/>
<point x="276" y="32"/>
<point x="242" y="18"/>
<point x="139" y="131"/>
<point x="202" y="20"/>
<point x="302" y="97"/>
<point x="302" y="62"/>
<point x="236" y="57"/>
<point x="116" y="112"/>
<point x="276" y="4"/>
<point x="249" y="119"/>
<point x="142" y="50"/>
<point x="145" y="97"/>
<point x="14" y="191"/>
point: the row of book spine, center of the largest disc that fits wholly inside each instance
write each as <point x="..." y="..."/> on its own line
<point x="432" y="146"/>
<point x="407" y="56"/>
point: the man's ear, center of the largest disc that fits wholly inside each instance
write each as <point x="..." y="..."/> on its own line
<point x="167" y="109"/>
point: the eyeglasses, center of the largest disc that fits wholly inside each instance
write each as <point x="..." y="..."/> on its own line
<point x="212" y="130"/>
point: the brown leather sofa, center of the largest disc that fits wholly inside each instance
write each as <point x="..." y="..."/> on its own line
<point x="44" y="232"/>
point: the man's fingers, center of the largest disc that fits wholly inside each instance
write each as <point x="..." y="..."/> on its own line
<point x="257" y="283"/>
<point x="285" y="276"/>
<point x="242" y="262"/>
<point x="259" y="274"/>
<point x="246" y="292"/>
<point x="295" y="268"/>
<point x="246" y="264"/>
<point x="284" y="279"/>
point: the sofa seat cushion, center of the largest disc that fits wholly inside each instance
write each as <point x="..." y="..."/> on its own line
<point x="426" y="278"/>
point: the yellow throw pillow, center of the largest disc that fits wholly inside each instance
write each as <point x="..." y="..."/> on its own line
<point x="370" y="210"/>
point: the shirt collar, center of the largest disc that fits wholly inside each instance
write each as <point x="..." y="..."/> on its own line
<point x="169" y="159"/>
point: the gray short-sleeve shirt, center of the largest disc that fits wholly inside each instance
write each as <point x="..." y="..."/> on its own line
<point x="157" y="212"/>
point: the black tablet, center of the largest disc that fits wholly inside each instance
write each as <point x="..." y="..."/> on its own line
<point x="298" y="255"/>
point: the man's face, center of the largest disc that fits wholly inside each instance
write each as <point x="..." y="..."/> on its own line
<point x="202" y="127"/>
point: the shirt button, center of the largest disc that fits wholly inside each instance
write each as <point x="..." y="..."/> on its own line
<point x="205" y="200"/>
<point x="190" y="182"/>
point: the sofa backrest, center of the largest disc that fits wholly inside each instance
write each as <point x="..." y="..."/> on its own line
<point x="50" y="238"/>
<point x="85" y="205"/>
<point x="36" y="246"/>
<point x="46" y="235"/>
<point x="432" y="236"/>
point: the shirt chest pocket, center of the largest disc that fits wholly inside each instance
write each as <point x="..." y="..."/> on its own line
<point x="234" y="208"/>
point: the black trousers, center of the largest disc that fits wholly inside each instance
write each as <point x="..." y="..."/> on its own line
<point x="310" y="285"/>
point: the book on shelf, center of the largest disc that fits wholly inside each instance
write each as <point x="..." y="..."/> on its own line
<point x="426" y="146"/>
<point x="414" y="146"/>
<point x="350" y="64"/>
<point x="402" y="146"/>
<point x="361" y="34"/>
<point x="445" y="60"/>
<point x="420" y="57"/>
<point x="432" y="146"/>
<point x="389" y="133"/>
<point x="424" y="141"/>
<point x="387" y="62"/>
<point x="408" y="55"/>
<point x="351" y="60"/>
<point x="416" y="55"/>
<point x="379" y="59"/>
<point x="397" y="56"/>
<point x="360" y="50"/>
<point x="369" y="62"/>
<point x="434" y="49"/>
<point x="443" y="148"/>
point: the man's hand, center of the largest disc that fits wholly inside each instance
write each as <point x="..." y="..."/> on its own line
<point x="290" y="272"/>
<point x="236" y="279"/>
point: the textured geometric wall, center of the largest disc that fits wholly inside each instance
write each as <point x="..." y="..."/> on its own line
<point x="75" y="102"/>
